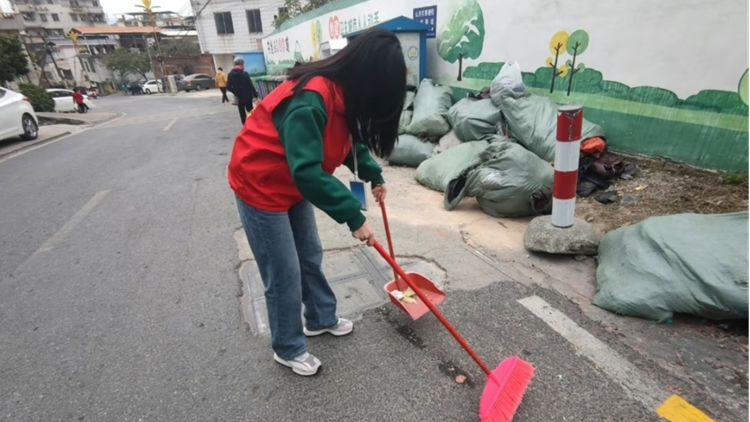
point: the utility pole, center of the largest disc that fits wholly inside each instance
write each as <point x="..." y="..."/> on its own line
<point x="74" y="38"/>
<point x="146" y="5"/>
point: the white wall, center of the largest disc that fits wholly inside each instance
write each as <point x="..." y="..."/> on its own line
<point x="681" y="45"/>
<point x="242" y="40"/>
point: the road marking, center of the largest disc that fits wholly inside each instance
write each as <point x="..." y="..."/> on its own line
<point x="58" y="237"/>
<point x="676" y="409"/>
<point x="636" y="383"/>
<point x="169" y="126"/>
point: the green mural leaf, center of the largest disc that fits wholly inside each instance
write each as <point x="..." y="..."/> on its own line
<point x="462" y="36"/>
<point x="742" y="89"/>
<point x="580" y="38"/>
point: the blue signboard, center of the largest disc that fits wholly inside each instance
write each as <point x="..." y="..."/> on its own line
<point x="428" y="16"/>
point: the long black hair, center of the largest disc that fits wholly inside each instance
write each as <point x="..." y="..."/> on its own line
<point x="372" y="73"/>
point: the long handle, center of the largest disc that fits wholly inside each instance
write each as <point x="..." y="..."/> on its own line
<point x="399" y="285"/>
<point x="433" y="308"/>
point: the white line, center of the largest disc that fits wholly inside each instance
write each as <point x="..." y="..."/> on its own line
<point x="44" y="144"/>
<point x="169" y="126"/>
<point x="58" y="237"/>
<point x="636" y="383"/>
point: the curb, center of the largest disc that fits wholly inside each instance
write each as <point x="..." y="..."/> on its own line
<point x="36" y="144"/>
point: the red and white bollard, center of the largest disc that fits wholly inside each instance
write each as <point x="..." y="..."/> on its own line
<point x="567" y="151"/>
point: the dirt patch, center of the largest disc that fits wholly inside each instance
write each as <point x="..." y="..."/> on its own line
<point x="660" y="188"/>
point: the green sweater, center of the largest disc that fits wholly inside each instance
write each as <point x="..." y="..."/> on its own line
<point x="300" y="121"/>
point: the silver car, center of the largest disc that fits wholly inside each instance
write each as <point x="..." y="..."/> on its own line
<point x="196" y="81"/>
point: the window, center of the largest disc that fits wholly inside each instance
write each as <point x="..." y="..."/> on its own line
<point x="43" y="17"/>
<point x="74" y="17"/>
<point x="283" y="11"/>
<point x="56" y="17"/>
<point x="92" y="66"/>
<point x="86" y="66"/>
<point x="74" y="3"/>
<point x="50" y="1"/>
<point x="224" y="23"/>
<point x="253" y="21"/>
<point x="56" y="32"/>
<point x="95" y="3"/>
<point x="29" y="16"/>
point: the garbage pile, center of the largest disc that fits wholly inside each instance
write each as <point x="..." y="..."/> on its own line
<point x="497" y="146"/>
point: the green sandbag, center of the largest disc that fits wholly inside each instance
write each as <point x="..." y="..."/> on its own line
<point x="685" y="263"/>
<point x="439" y="170"/>
<point x="533" y="121"/>
<point x="502" y="178"/>
<point x="473" y="119"/>
<point x="410" y="151"/>
<point x="407" y="112"/>
<point x="430" y="109"/>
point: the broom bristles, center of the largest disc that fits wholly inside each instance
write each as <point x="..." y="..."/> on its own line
<point x="504" y="390"/>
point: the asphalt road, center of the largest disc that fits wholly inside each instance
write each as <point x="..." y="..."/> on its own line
<point x="119" y="301"/>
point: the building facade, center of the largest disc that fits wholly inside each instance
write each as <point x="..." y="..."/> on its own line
<point x="46" y="23"/>
<point x="228" y="27"/>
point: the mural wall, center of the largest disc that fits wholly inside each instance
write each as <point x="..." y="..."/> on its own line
<point x="667" y="78"/>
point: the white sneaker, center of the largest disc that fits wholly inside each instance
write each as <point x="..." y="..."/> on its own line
<point x="304" y="364"/>
<point x="342" y="328"/>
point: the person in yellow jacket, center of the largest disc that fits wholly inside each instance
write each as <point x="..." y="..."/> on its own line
<point x="221" y="82"/>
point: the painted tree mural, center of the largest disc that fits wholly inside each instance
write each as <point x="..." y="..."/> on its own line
<point x="462" y="36"/>
<point x="557" y="46"/>
<point x="743" y="87"/>
<point x="578" y="42"/>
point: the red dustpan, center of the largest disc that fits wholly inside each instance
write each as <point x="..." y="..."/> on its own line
<point x="505" y="386"/>
<point x="426" y="286"/>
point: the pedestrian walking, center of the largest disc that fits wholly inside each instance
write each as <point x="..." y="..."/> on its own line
<point x="241" y="86"/>
<point x="221" y="82"/>
<point x="327" y="113"/>
<point x="78" y="98"/>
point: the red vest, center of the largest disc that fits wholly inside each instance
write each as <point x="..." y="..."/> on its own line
<point x="258" y="170"/>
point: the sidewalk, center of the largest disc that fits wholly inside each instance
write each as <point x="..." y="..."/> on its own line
<point x="91" y="118"/>
<point x="46" y="134"/>
<point x="482" y="264"/>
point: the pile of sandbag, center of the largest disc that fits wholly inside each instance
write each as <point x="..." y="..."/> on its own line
<point x="532" y="119"/>
<point x="686" y="263"/>
<point x="473" y="119"/>
<point x="423" y="121"/>
<point x="431" y="106"/>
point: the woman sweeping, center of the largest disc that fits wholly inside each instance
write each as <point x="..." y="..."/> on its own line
<point x="327" y="113"/>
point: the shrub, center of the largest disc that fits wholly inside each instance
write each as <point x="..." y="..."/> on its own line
<point x="40" y="99"/>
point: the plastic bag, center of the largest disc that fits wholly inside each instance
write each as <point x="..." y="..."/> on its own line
<point x="507" y="83"/>
<point x="473" y="119"/>
<point x="503" y="178"/>
<point x="410" y="151"/>
<point x="439" y="170"/>
<point x="430" y="108"/>
<point x="533" y="122"/>
<point x="407" y="113"/>
<point x="685" y="263"/>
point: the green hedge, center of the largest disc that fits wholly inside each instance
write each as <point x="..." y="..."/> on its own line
<point x="40" y="99"/>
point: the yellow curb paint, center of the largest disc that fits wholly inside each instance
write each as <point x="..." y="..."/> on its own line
<point x="676" y="409"/>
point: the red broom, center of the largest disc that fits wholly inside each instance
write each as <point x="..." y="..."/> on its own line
<point x="505" y="385"/>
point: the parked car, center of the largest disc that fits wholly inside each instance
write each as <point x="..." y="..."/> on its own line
<point x="152" y="86"/>
<point x="196" y="82"/>
<point x="17" y="117"/>
<point x="64" y="100"/>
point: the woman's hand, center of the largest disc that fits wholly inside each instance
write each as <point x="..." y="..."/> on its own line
<point x="365" y="234"/>
<point x="379" y="192"/>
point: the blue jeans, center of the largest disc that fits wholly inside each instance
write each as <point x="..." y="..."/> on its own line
<point x="287" y="249"/>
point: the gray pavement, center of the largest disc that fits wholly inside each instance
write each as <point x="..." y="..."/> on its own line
<point x="124" y="294"/>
